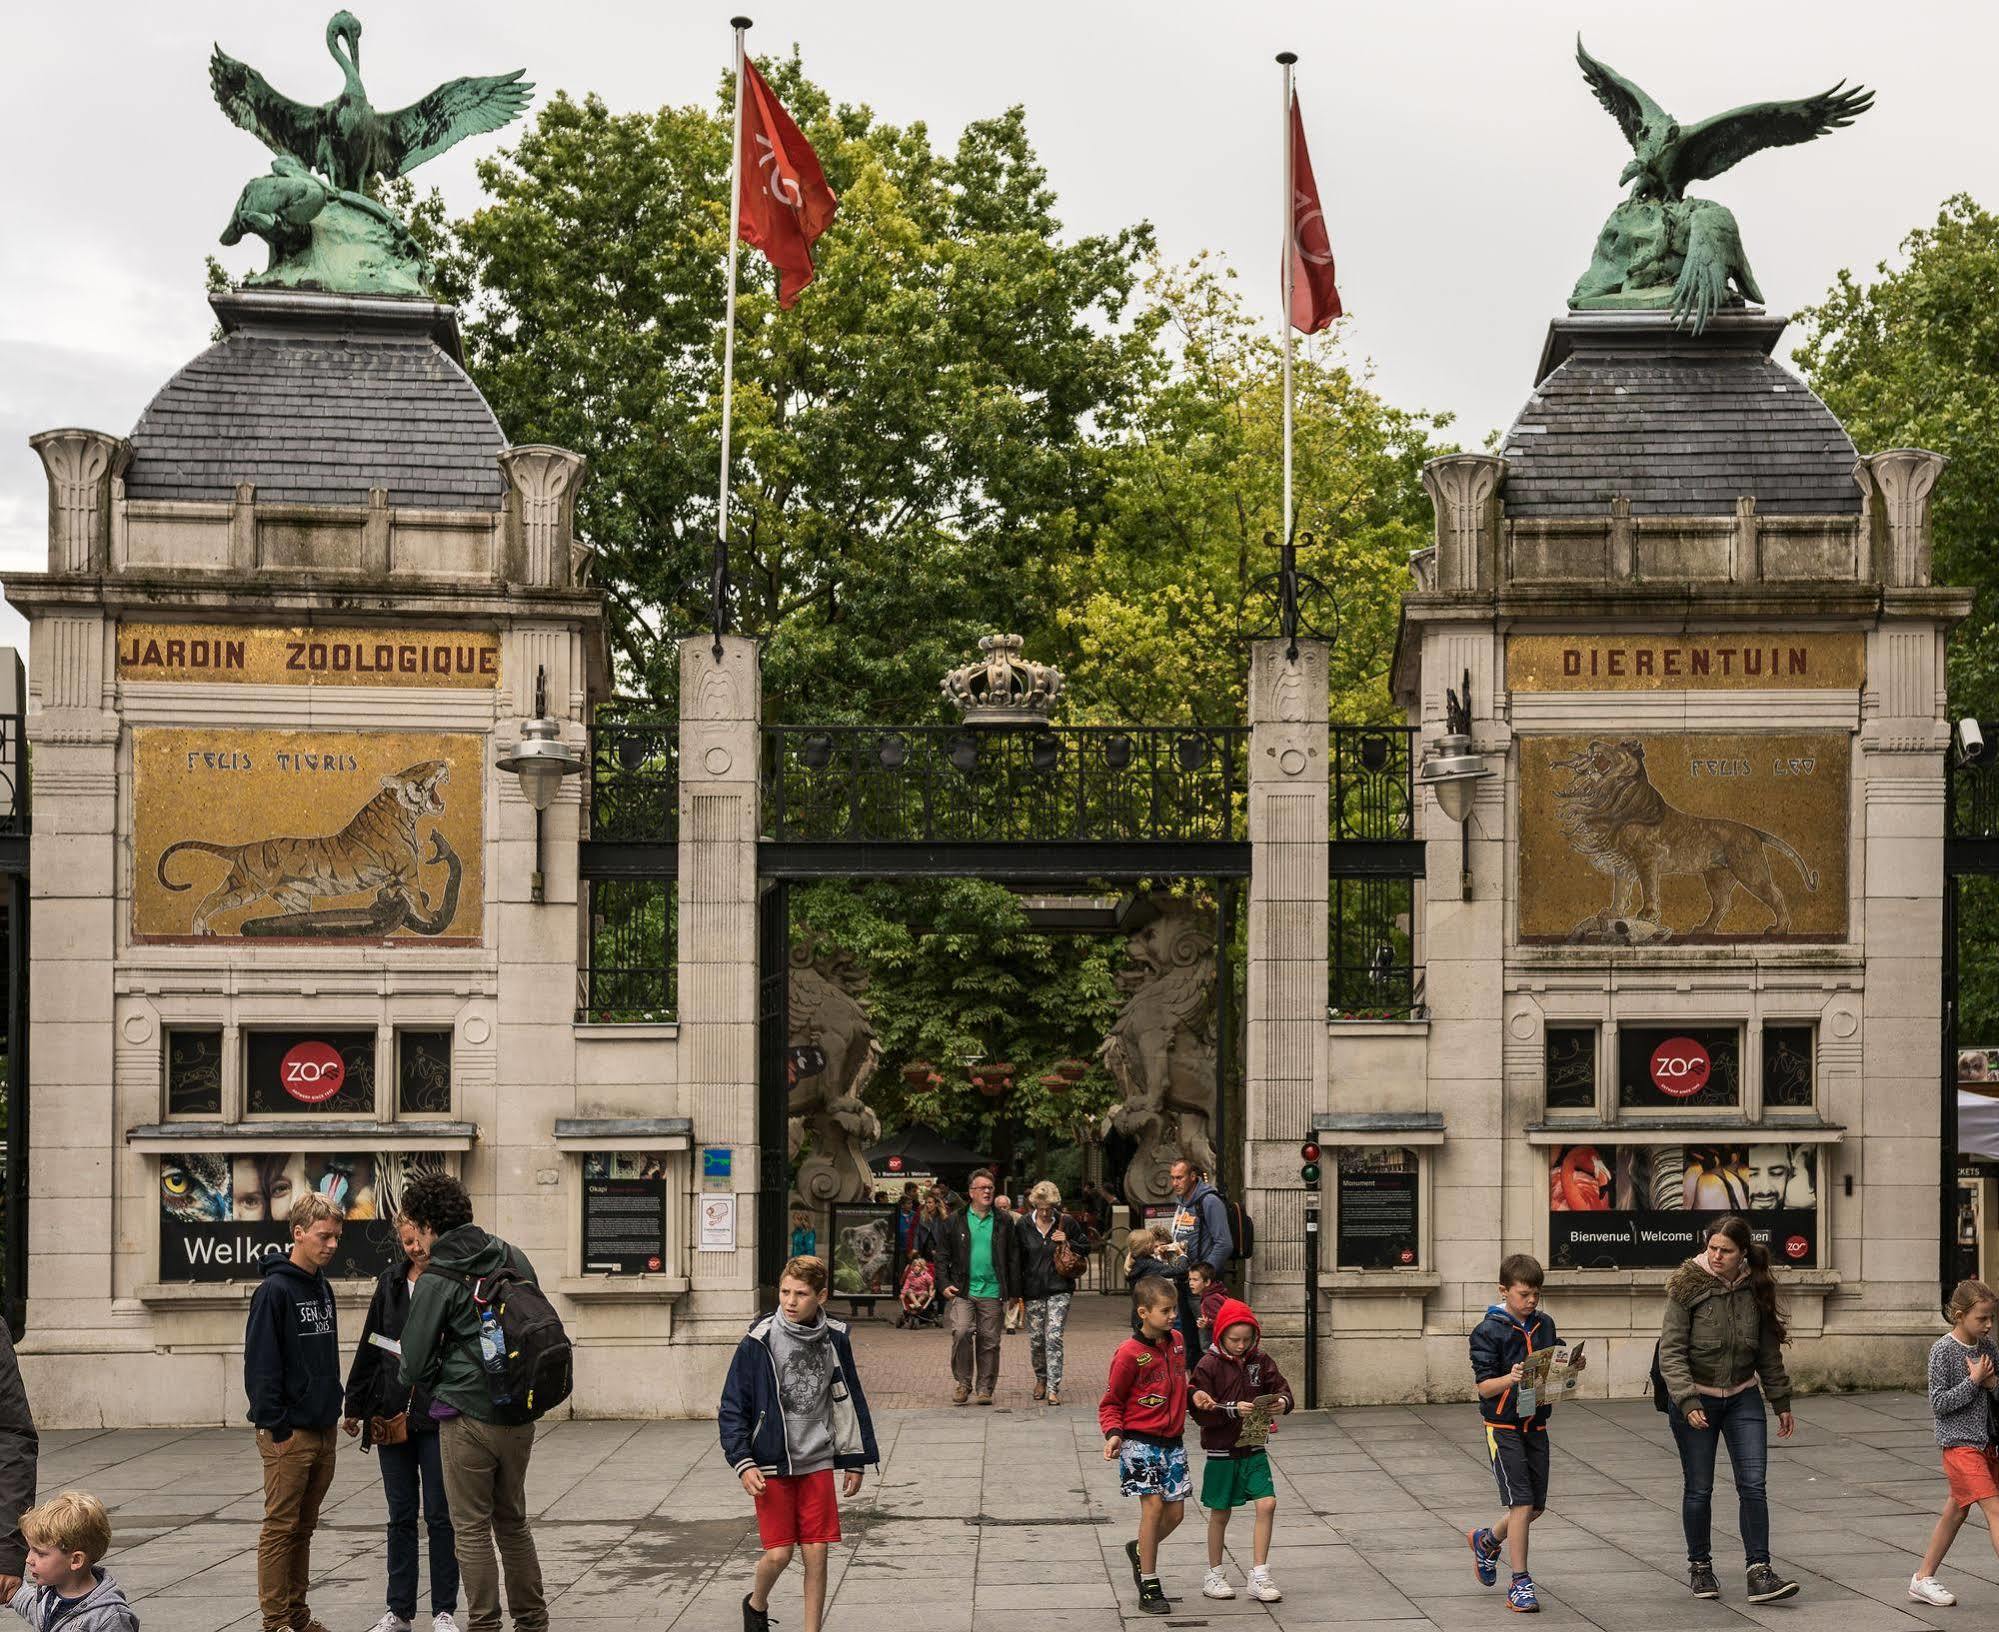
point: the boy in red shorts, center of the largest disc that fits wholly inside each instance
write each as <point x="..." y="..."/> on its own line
<point x="792" y="1413"/>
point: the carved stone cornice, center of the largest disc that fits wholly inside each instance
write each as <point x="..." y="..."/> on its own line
<point x="1463" y="489"/>
<point x="81" y="466"/>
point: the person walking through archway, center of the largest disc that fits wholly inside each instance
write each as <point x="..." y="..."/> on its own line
<point x="1720" y="1358"/>
<point x="1054" y="1251"/>
<point x="978" y="1262"/>
<point x="1201" y="1235"/>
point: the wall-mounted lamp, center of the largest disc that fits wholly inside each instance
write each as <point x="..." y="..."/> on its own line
<point x="541" y="760"/>
<point x="1454" y="770"/>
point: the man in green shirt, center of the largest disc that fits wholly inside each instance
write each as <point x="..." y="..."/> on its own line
<point x="980" y="1269"/>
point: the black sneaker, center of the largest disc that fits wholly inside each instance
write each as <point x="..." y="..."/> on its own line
<point x="1766" y="1586"/>
<point x="1701" y="1581"/>
<point x="1131" y="1552"/>
<point x="754" y="1619"/>
<point x="1152" y="1598"/>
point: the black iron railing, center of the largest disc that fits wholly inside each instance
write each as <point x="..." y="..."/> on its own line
<point x="631" y="971"/>
<point x="635" y="781"/>
<point x="1974" y="797"/>
<point x="1372" y="970"/>
<point x="1373" y="782"/>
<point x="1067" y="784"/>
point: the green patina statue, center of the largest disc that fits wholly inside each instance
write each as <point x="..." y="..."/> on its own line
<point x="1661" y="249"/>
<point x="323" y="229"/>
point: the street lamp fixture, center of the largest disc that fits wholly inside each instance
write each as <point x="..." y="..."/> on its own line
<point x="1454" y="770"/>
<point x="541" y="760"/>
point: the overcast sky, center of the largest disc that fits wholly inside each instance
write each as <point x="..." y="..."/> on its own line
<point x="1464" y="166"/>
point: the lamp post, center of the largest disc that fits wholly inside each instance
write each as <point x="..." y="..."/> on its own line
<point x="1454" y="770"/>
<point x="541" y="760"/>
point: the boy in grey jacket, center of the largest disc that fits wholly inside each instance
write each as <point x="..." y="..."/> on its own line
<point x="67" y="1588"/>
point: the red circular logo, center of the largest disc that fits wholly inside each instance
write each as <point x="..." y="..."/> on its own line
<point x="1680" y="1067"/>
<point x="312" y="1072"/>
<point x="895" y="1164"/>
<point x="1409" y="1255"/>
<point x="653" y="1265"/>
<point x="1796" y="1247"/>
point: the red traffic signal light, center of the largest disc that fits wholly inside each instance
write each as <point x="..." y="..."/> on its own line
<point x="1309" y="1151"/>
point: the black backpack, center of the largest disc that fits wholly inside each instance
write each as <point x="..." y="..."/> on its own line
<point x="1243" y="1228"/>
<point x="1661" y="1399"/>
<point x="539" y="1374"/>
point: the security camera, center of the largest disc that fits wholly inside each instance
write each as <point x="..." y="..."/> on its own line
<point x="1970" y="742"/>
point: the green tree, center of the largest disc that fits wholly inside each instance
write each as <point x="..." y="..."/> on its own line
<point x="910" y="440"/>
<point x="1911" y="360"/>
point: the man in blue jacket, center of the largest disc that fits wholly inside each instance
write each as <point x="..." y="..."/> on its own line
<point x="1201" y="1232"/>
<point x="792" y="1414"/>
<point x="291" y="1371"/>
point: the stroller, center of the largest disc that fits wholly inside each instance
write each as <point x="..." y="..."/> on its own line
<point x="919" y="1288"/>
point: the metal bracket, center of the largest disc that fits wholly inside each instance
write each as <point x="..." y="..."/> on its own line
<point x="1288" y="604"/>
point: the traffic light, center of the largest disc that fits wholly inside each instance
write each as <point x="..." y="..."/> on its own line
<point x="1308" y="1153"/>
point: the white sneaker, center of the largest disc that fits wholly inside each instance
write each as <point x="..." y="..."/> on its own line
<point x="1927" y="1589"/>
<point x="1262" y="1588"/>
<point x="442" y="1622"/>
<point x="390" y="1622"/>
<point x="1216" y="1586"/>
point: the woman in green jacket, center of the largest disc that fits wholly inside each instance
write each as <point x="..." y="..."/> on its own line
<point x="1721" y="1354"/>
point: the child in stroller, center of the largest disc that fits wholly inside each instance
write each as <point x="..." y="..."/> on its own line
<point x="919" y="1292"/>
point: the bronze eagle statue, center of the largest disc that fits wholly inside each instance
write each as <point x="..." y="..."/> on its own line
<point x="347" y="140"/>
<point x="1667" y="155"/>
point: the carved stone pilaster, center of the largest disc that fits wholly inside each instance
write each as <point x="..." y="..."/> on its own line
<point x="542" y="483"/>
<point x="1897" y="484"/>
<point x="81" y="466"/>
<point x="1463" y="489"/>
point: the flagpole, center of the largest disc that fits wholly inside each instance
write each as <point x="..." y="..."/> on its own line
<point x="719" y="610"/>
<point x="1287" y="59"/>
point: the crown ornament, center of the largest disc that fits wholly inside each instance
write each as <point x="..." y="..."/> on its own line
<point x="1003" y="688"/>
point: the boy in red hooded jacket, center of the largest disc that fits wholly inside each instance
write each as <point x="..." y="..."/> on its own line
<point x="1230" y="1376"/>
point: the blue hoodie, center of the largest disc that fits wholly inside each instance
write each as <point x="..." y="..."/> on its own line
<point x="1498" y="1344"/>
<point x="291" y="1350"/>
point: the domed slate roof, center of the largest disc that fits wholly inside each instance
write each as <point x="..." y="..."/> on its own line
<point x="1680" y="425"/>
<point x="315" y="399"/>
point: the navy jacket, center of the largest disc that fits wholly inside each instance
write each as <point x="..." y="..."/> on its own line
<point x="1498" y="1344"/>
<point x="751" y="1416"/>
<point x="291" y="1350"/>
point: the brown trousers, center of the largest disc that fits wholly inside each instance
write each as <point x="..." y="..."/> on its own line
<point x="296" y="1474"/>
<point x="975" y="1336"/>
<point x="485" y="1485"/>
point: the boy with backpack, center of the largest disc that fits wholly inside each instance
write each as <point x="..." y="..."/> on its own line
<point x="484" y="1342"/>
<point x="793" y="1413"/>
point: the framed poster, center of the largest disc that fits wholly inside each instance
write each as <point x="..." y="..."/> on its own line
<point x="1701" y="837"/>
<point x="1679" y="1068"/>
<point x="301" y="1073"/>
<point x="863" y="1249"/>
<point x="1375" y="1223"/>
<point x="624" y="1213"/>
<point x="222" y="1215"/>
<point x="1648" y="1206"/>
<point x="316" y="836"/>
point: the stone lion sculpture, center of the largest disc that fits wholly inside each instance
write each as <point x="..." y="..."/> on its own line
<point x="1161" y="1051"/>
<point x="828" y="1021"/>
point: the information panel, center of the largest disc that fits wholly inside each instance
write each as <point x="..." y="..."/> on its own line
<point x="624" y="1213"/>
<point x="1377" y="1199"/>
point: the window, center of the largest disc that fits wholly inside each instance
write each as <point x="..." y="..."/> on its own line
<point x="1570" y="1072"/>
<point x="303" y="1073"/>
<point x="1376" y="1223"/>
<point x="194" y="1071"/>
<point x="1679" y="1068"/>
<point x="1787" y="1068"/>
<point x="423" y="1073"/>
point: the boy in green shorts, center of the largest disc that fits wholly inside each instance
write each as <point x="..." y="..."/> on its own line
<point x="1230" y="1377"/>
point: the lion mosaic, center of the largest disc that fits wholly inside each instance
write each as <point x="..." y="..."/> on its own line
<point x="1615" y="819"/>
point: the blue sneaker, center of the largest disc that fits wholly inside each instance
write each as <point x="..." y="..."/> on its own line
<point x="1484" y="1555"/>
<point x="1520" y="1597"/>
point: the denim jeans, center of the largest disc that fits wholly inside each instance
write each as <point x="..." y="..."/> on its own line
<point x="413" y="1466"/>
<point x="1740" y="1420"/>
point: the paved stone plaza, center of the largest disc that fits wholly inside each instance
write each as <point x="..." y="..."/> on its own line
<point x="1009" y="1518"/>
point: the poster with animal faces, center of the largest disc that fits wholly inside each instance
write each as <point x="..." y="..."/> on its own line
<point x="1649" y="1206"/>
<point x="308" y="836"/>
<point x="1676" y="838"/>
<point x="222" y="1215"/>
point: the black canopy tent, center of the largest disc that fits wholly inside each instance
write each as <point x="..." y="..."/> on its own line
<point x="922" y="1149"/>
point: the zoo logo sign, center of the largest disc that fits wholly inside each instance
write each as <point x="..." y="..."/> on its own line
<point x="312" y="1072"/>
<point x="1680" y="1067"/>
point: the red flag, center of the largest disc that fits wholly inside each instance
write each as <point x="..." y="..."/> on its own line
<point x="786" y="203"/>
<point x="1315" y="297"/>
